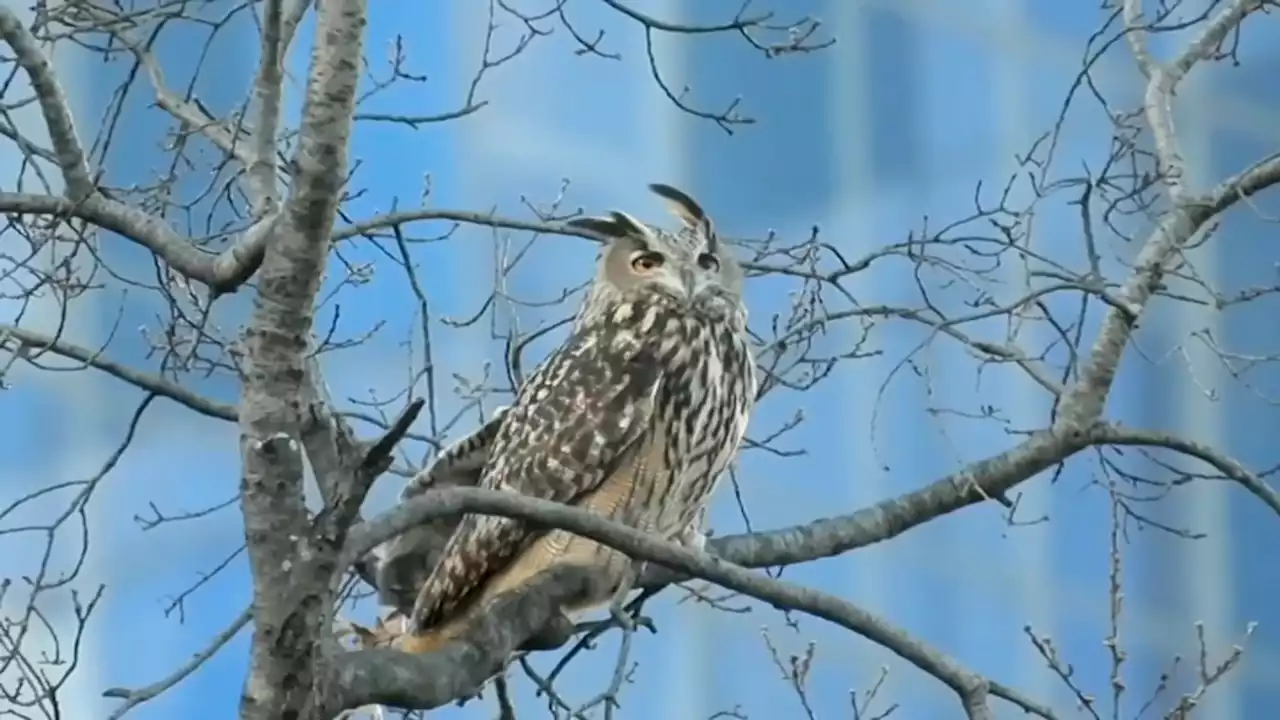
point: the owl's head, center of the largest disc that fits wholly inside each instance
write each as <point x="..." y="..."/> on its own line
<point x="690" y="267"/>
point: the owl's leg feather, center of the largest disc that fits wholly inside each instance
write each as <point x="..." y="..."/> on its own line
<point x="425" y="643"/>
<point x="617" y="608"/>
<point x="433" y="638"/>
<point x="694" y="535"/>
<point x="558" y="631"/>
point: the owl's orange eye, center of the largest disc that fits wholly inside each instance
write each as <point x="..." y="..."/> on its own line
<point x="647" y="262"/>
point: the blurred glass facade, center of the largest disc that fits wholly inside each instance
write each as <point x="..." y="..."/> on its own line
<point x="63" y="426"/>
<point x="918" y="101"/>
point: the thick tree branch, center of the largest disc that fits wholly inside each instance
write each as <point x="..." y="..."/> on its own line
<point x="1084" y="402"/>
<point x="53" y="105"/>
<point x="395" y="674"/>
<point x="1248" y="182"/>
<point x="389" y="677"/>
<point x="829" y="537"/>
<point x="293" y="566"/>
<point x="1207" y="42"/>
<point x="221" y="273"/>
<point x="972" y="688"/>
<point x="268" y="96"/>
<point x="343" y="470"/>
<point x="822" y="538"/>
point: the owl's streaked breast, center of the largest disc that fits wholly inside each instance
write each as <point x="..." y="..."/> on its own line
<point x="702" y="406"/>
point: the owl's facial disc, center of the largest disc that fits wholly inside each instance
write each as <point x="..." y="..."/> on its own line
<point x="704" y="271"/>
<point x="655" y="269"/>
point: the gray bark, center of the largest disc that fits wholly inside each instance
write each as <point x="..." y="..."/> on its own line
<point x="292" y="556"/>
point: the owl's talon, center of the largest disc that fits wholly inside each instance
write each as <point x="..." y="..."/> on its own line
<point x="618" y="605"/>
<point x="620" y="616"/>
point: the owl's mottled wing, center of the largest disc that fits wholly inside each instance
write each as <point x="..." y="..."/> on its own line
<point x="398" y="567"/>
<point x="572" y="424"/>
<point x="461" y="463"/>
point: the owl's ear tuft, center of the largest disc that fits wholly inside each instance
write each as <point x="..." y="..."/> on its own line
<point x="617" y="225"/>
<point x="681" y="205"/>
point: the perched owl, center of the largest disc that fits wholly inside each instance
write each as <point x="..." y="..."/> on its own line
<point x="634" y="417"/>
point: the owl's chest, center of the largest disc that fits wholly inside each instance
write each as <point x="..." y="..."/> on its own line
<point x="703" y="408"/>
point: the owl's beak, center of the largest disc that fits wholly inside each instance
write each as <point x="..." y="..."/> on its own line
<point x="683" y="284"/>
<point x="690" y="283"/>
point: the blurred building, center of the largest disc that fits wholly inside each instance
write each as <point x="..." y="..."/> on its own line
<point x="43" y="413"/>
<point x="918" y="102"/>
<point x="922" y="99"/>
<point x="64" y="426"/>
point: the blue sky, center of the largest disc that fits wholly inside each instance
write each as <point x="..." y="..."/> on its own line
<point x="933" y="122"/>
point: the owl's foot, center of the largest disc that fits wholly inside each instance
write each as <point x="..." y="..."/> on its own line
<point x="693" y="536"/>
<point x="695" y="540"/>
<point x="618" y="604"/>
<point x="382" y="634"/>
<point x="617" y="608"/>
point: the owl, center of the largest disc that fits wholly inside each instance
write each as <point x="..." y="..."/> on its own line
<point x="634" y="417"/>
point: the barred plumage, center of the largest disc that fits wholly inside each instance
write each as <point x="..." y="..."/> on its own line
<point x="401" y="565"/>
<point x="634" y="417"/>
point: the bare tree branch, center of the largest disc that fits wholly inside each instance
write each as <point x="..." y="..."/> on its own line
<point x="1084" y="403"/>
<point x="222" y="272"/>
<point x="32" y="343"/>
<point x="268" y="95"/>
<point x="1223" y="463"/>
<point x="53" y="105"/>
<point x="241" y="192"/>
<point x="972" y="688"/>
<point x="134" y="698"/>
